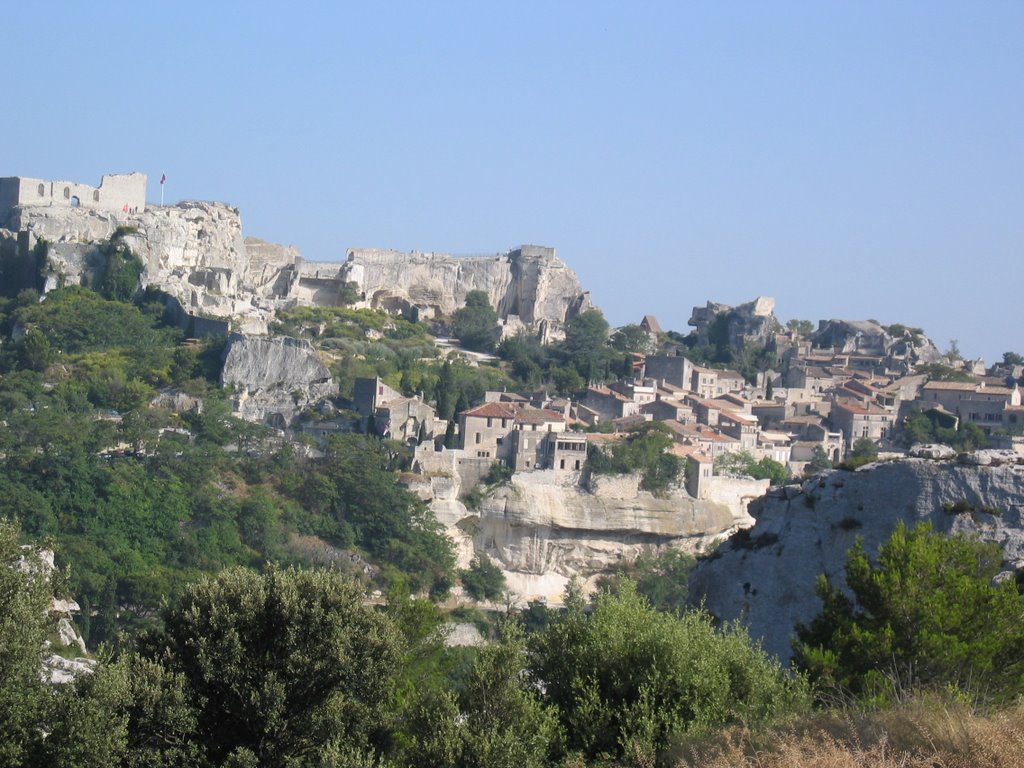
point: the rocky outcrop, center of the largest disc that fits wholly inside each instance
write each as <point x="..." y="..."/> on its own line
<point x="543" y="527"/>
<point x="274" y="379"/>
<point x="527" y="286"/>
<point x="195" y="252"/>
<point x="62" y="666"/>
<point x="751" y="322"/>
<point x="765" y="576"/>
<point x="866" y="337"/>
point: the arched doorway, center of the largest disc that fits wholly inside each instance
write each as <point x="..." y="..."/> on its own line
<point x="75" y="202"/>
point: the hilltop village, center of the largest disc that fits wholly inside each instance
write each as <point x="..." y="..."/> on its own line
<point x="529" y="472"/>
<point x="847" y="383"/>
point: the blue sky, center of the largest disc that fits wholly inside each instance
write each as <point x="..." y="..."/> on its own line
<point x="853" y="160"/>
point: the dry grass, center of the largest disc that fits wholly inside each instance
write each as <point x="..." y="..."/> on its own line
<point x="921" y="734"/>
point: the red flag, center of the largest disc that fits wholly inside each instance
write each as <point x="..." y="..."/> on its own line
<point x="163" y="178"/>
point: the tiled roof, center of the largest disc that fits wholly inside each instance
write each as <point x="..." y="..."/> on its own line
<point x="492" y="410"/>
<point x="537" y="416"/>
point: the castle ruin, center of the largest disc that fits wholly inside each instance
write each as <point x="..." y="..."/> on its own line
<point x="125" y="192"/>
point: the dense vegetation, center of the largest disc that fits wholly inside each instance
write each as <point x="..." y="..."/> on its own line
<point x="643" y="450"/>
<point x="143" y="496"/>
<point x="292" y="668"/>
<point x="926" y="614"/>
<point x="743" y="463"/>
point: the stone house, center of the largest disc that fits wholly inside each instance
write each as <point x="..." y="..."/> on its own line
<point x="668" y="409"/>
<point x="609" y="404"/>
<point x="522" y="437"/>
<point x="741" y="426"/>
<point x="987" y="406"/>
<point x="408" y="419"/>
<point x="394" y="415"/>
<point x="856" y="420"/>
<point x="674" y="370"/>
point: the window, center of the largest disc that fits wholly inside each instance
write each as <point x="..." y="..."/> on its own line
<point x="67" y="193"/>
<point x="577" y="463"/>
<point x="42" y="190"/>
<point x="489" y="422"/>
<point x="500" y="441"/>
<point x="477" y="438"/>
<point x="561" y="464"/>
<point x="95" y="195"/>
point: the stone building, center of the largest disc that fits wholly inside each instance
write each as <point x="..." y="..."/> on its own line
<point x="116" y="192"/>
<point x="522" y="437"/>
<point x="990" y="407"/>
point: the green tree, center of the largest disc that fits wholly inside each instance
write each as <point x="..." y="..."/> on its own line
<point x="663" y="578"/>
<point x="800" y="327"/>
<point x="744" y="463"/>
<point x="585" y="346"/>
<point x="35" y="351"/>
<point x="476" y="324"/>
<point x="926" y="613"/>
<point x="819" y="460"/>
<point x="496" y="720"/>
<point x="627" y="679"/>
<point x="644" y="451"/>
<point x="630" y="338"/>
<point x="483" y="580"/>
<point x="287" y="665"/>
<point x="121" y="273"/>
<point x="1013" y="358"/>
<point x="24" y="601"/>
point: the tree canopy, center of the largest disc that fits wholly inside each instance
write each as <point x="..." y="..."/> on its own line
<point x="626" y="678"/>
<point x="283" y="665"/>
<point x="926" y="612"/>
<point x="476" y="324"/>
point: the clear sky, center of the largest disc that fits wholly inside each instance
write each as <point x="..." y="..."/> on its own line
<point x="851" y="159"/>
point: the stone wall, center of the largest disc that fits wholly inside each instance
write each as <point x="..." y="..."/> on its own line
<point x="117" y="192"/>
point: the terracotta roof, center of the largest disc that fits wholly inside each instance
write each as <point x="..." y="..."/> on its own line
<point x="492" y="410"/>
<point x="605" y="392"/>
<point x="689" y="452"/>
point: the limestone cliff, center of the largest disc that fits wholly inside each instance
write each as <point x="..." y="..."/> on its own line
<point x="274" y="378"/>
<point x="528" y="285"/>
<point x="195" y="251"/>
<point x="765" y="576"/>
<point x="543" y="527"/>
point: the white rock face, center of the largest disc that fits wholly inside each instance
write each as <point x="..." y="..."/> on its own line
<point x="274" y="378"/>
<point x="766" y="575"/>
<point x="543" y="528"/>
<point x="195" y="252"/>
<point x="528" y="285"/>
